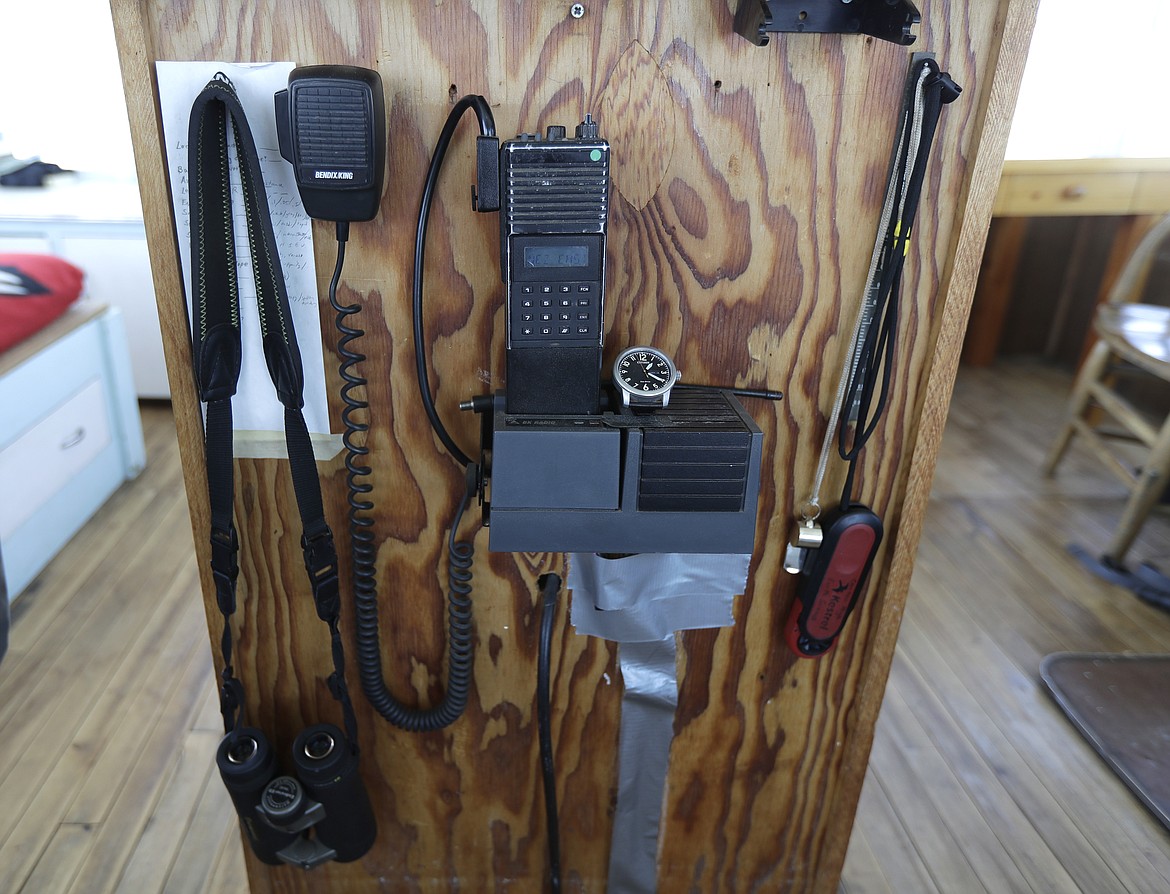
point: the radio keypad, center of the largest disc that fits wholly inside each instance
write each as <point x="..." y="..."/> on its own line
<point x="578" y="313"/>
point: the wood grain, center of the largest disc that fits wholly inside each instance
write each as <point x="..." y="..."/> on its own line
<point x="992" y="570"/>
<point x="741" y="229"/>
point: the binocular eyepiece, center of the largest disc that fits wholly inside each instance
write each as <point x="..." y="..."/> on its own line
<point x="324" y="794"/>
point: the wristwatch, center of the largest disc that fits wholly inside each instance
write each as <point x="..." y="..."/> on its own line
<point x="644" y="376"/>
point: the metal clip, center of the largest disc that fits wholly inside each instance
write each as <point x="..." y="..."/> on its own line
<point x="793" y="558"/>
<point x="808" y="536"/>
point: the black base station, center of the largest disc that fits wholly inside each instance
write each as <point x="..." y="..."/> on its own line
<point x="679" y="479"/>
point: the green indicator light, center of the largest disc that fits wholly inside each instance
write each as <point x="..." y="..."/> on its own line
<point x="595" y="155"/>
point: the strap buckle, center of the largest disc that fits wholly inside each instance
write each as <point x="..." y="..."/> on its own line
<point x="231" y="701"/>
<point x="321" y="564"/>
<point x="225" y="547"/>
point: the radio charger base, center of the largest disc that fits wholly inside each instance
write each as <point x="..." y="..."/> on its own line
<point x="681" y="479"/>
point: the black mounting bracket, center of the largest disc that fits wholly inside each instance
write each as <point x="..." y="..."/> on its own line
<point x="888" y="19"/>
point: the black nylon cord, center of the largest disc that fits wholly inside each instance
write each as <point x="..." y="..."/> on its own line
<point x="875" y="356"/>
<point x="218" y="450"/>
<point x="303" y="464"/>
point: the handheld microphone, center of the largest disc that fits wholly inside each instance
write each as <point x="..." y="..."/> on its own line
<point x="331" y="124"/>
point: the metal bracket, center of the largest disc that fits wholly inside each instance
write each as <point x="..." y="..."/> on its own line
<point x="888" y="19"/>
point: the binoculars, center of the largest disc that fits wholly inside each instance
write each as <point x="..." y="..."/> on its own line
<point x="326" y="795"/>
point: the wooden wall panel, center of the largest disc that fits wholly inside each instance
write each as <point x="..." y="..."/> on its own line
<point x="747" y="185"/>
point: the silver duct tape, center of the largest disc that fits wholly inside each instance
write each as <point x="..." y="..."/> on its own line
<point x="640" y="601"/>
<point x="646" y="597"/>
<point x="648" y="706"/>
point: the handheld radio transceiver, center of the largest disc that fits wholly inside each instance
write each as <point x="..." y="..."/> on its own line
<point x="555" y="210"/>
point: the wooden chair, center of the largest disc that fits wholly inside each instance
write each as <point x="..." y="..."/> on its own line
<point x="1137" y="334"/>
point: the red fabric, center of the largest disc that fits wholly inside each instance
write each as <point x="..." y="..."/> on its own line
<point x="34" y="291"/>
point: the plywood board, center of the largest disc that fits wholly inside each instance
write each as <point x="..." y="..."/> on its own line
<point x="746" y="192"/>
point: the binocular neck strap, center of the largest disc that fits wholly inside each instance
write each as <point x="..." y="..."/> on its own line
<point x="217" y="355"/>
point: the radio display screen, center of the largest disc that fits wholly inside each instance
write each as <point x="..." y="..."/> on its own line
<point x="539" y="256"/>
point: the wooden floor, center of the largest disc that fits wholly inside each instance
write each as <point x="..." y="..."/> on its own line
<point x="977" y="783"/>
<point x="107" y="707"/>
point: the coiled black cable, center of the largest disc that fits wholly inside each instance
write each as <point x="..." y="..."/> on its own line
<point x="364" y="551"/>
<point x="363" y="537"/>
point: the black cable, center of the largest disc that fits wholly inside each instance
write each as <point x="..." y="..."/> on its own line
<point x="876" y="353"/>
<point x="877" y="348"/>
<point x="364" y="551"/>
<point x="487" y="128"/>
<point x="550" y="586"/>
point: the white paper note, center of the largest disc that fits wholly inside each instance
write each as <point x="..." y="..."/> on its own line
<point x="255" y="406"/>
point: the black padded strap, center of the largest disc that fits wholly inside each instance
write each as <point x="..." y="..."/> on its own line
<point x="217" y="353"/>
<point x="320" y="553"/>
<point x="224" y="549"/>
<point x="215" y="325"/>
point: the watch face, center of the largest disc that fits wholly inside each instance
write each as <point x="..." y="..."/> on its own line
<point x="644" y="372"/>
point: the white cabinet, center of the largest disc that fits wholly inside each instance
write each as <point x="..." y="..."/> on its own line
<point x="97" y="225"/>
<point x="70" y="434"/>
<point x="58" y="447"/>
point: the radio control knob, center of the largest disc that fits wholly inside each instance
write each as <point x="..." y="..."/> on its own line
<point x="588" y="129"/>
<point x="554" y="132"/>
